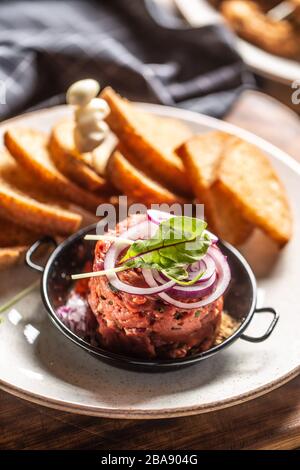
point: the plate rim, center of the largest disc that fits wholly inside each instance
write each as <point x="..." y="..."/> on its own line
<point x="167" y="413"/>
<point x="283" y="70"/>
<point x="197" y="118"/>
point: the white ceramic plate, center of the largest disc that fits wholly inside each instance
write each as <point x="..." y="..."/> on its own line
<point x="199" y="13"/>
<point x="39" y="364"/>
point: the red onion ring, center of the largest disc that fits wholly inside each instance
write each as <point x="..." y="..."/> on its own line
<point x="157" y="216"/>
<point x="112" y="255"/>
<point x="211" y="286"/>
<point x="206" y="264"/>
<point x="223" y="273"/>
<point x="144" y="229"/>
<point x="197" y="290"/>
<point x="209" y="269"/>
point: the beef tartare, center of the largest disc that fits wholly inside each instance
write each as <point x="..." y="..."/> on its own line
<point x="149" y="311"/>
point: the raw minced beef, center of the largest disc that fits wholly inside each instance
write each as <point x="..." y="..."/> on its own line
<point x="145" y="326"/>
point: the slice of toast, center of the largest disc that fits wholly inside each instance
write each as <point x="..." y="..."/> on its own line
<point x="11" y="255"/>
<point x="151" y="141"/>
<point x="22" y="202"/>
<point x="248" y="179"/>
<point x="135" y="184"/>
<point x="12" y="234"/>
<point x="202" y="155"/>
<point x="30" y="149"/>
<point x="70" y="162"/>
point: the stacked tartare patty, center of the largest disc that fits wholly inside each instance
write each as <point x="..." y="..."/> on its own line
<point x="145" y="326"/>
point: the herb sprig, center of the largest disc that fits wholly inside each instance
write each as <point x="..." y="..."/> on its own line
<point x="178" y="242"/>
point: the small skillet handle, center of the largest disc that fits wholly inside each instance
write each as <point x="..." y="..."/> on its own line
<point x="258" y="339"/>
<point x="30" y="252"/>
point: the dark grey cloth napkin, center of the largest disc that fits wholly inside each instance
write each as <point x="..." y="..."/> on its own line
<point x="128" y="44"/>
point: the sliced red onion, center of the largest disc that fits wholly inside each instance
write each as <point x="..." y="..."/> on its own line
<point x="138" y="231"/>
<point x="211" y="286"/>
<point x="223" y="279"/>
<point x="196" y="290"/>
<point x="206" y="265"/>
<point x="143" y="230"/>
<point x="214" y="239"/>
<point x="157" y="216"/>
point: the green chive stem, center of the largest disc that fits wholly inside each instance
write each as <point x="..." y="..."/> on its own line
<point x="10" y="303"/>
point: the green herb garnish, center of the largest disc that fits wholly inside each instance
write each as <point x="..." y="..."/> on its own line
<point x="10" y="303"/>
<point x="198" y="313"/>
<point x="178" y="242"/>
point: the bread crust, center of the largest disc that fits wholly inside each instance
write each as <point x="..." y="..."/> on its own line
<point x="150" y="140"/>
<point x="30" y="149"/>
<point x="202" y="156"/>
<point x="135" y="184"/>
<point x="71" y="163"/>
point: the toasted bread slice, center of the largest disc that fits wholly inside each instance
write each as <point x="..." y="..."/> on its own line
<point x="70" y="162"/>
<point x="230" y="225"/>
<point x="202" y="155"/>
<point x="151" y="141"/>
<point x="30" y="149"/>
<point x="98" y="158"/>
<point x="11" y="255"/>
<point x="12" y="234"/>
<point x="22" y="202"/>
<point x="135" y="184"/>
<point x="247" y="177"/>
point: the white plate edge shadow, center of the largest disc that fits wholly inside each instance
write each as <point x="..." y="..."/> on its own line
<point x="180" y="411"/>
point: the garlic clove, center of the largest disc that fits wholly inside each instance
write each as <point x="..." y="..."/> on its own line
<point x="96" y="105"/>
<point x="81" y="93"/>
<point x="91" y="123"/>
<point x="102" y="153"/>
<point x="89" y="141"/>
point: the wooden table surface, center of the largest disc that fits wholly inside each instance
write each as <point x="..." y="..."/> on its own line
<point x="269" y="422"/>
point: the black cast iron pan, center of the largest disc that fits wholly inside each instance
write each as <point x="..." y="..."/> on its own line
<point x="70" y="257"/>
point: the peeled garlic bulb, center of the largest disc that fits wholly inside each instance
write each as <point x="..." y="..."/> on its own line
<point x="87" y="126"/>
<point x="81" y="93"/>
<point x="90" y="112"/>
